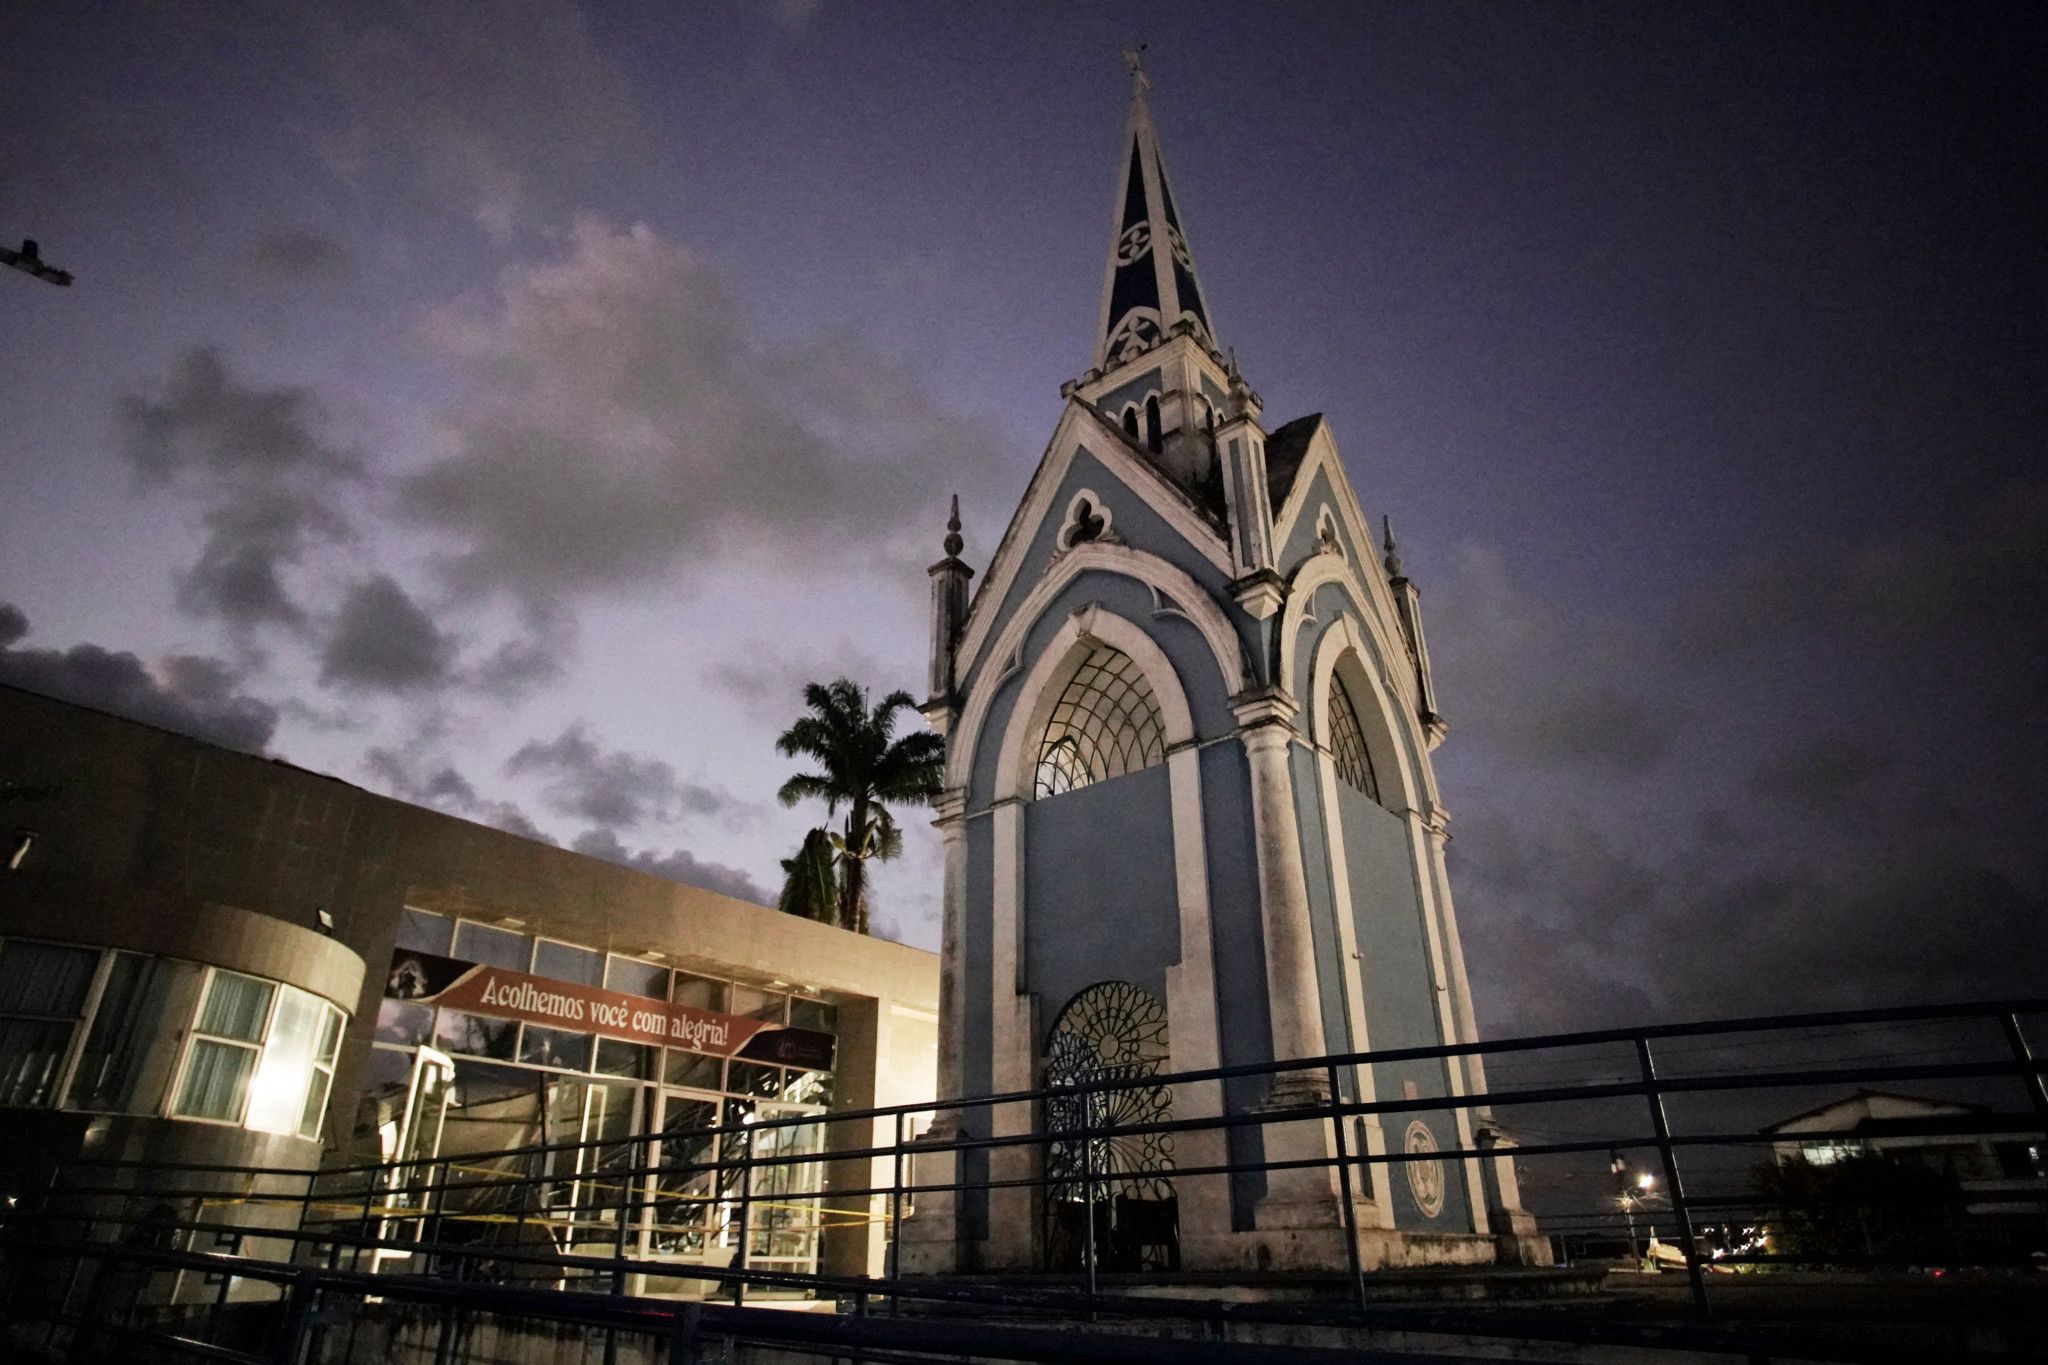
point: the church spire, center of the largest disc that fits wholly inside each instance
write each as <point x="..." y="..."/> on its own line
<point x="1150" y="285"/>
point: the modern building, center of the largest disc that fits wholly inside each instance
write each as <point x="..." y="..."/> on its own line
<point x="212" y="957"/>
<point x="1998" y="1160"/>
<point x="1190" y="818"/>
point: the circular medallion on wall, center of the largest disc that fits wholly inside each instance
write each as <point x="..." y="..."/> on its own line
<point x="1425" y="1178"/>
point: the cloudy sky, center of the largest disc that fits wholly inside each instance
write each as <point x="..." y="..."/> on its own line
<point x="509" y="407"/>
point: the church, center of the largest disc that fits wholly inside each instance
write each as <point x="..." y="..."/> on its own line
<point x="1190" y="822"/>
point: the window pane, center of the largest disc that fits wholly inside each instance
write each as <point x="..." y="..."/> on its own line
<point x="45" y="978"/>
<point x="754" y="1003"/>
<point x="493" y="947"/>
<point x="701" y="992"/>
<point x="814" y="1014"/>
<point x="330" y="1036"/>
<point x="565" y="962"/>
<point x="402" y="1021"/>
<point x="697" y="1072"/>
<point x="31" y="1050"/>
<point x="236" y="1007"/>
<point x="129" y="1025"/>
<point x="635" y="977"/>
<point x="476" y="1034"/>
<point x="216" y="1081"/>
<point x="316" y="1105"/>
<point x="615" y="1058"/>
<point x="751" y="1078"/>
<point x="555" y="1047"/>
<point x="277" y="1092"/>
<point x="423" y="932"/>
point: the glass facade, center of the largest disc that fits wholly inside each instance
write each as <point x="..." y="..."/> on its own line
<point x="613" y="1103"/>
<point x="126" y="1033"/>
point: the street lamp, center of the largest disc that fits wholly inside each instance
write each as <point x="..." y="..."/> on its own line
<point x="1630" y="1195"/>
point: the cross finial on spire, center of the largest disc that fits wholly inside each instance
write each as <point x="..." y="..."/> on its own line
<point x="1134" y="58"/>
<point x="954" y="544"/>
<point x="1393" y="551"/>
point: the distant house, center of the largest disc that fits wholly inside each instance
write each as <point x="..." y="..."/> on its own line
<point x="1997" y="1158"/>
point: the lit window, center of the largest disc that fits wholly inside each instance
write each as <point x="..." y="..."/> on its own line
<point x="1105" y="724"/>
<point x="42" y="998"/>
<point x="1347" y="743"/>
<point x="262" y="1056"/>
<point x="226" y="1046"/>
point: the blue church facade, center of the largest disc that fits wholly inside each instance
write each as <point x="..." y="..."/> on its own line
<point x="1190" y="819"/>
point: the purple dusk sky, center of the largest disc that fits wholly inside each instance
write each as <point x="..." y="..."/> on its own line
<point x="508" y="407"/>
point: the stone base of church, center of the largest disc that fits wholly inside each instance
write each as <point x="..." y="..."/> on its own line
<point x="1321" y="1250"/>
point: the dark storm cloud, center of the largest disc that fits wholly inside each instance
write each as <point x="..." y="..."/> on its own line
<point x="255" y="461"/>
<point x="425" y="779"/>
<point x="382" y="640"/>
<point x="1816" y="836"/>
<point x="189" y="694"/>
<point x="499" y="109"/>
<point x="300" y="256"/>
<point x="678" y="865"/>
<point x="1980" y="579"/>
<point x="692" y="440"/>
<point x="1522" y="677"/>
<point x="616" y="789"/>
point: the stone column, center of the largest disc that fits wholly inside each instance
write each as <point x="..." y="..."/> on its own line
<point x="931" y="1233"/>
<point x="1294" y="1003"/>
<point x="952" y="826"/>
<point x="1303" y="1197"/>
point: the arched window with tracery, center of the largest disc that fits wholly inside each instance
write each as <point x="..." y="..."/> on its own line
<point x="1347" y="743"/>
<point x="1105" y="724"/>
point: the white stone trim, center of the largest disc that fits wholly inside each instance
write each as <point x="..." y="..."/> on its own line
<point x="1339" y="642"/>
<point x="1197" y="606"/>
<point x="1191" y="999"/>
<point x="1340" y="646"/>
<point x="1322" y="454"/>
<point x="1147" y="483"/>
<point x="1388" y="647"/>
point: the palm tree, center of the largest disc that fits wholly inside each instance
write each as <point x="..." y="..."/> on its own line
<point x="863" y="768"/>
<point x="809" y="880"/>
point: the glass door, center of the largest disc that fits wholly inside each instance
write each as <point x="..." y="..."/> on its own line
<point x="683" y="1221"/>
<point x="787" y="1213"/>
<point x="422" y="1122"/>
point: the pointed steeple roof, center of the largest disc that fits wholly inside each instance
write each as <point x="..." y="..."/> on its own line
<point x="1150" y="283"/>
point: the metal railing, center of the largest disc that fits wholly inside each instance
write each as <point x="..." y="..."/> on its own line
<point x="197" y="1242"/>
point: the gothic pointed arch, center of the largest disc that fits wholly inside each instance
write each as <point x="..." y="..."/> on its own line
<point x="1146" y="676"/>
<point x="1193" y="602"/>
<point x="1345" y="670"/>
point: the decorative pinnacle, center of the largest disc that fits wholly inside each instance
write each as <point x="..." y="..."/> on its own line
<point x="1393" y="551"/>
<point x="954" y="544"/>
<point x="1134" y="58"/>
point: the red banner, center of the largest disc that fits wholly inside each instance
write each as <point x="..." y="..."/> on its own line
<point x="431" y="979"/>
